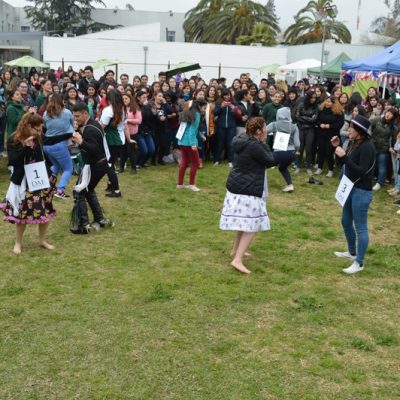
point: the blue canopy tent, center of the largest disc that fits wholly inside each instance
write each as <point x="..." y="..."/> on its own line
<point x="386" y="61"/>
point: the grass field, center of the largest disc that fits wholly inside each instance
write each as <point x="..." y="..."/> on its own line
<point x="152" y="310"/>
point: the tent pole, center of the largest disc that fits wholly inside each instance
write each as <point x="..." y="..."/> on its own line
<point x="341" y="79"/>
<point x="384" y="85"/>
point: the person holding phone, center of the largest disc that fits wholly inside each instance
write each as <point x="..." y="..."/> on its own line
<point x="22" y="206"/>
<point x="244" y="209"/>
<point x="358" y="162"/>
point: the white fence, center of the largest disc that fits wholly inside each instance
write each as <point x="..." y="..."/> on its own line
<point x="228" y="61"/>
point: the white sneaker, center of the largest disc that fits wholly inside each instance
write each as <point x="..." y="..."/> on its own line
<point x="194" y="188"/>
<point x="309" y="172"/>
<point x="230" y="165"/>
<point x="391" y="190"/>
<point x="288" y="188"/>
<point x="297" y="171"/>
<point x="318" y="171"/>
<point x="376" y="187"/>
<point x="345" y="254"/>
<point x="398" y="212"/>
<point x="354" y="268"/>
<point x="216" y="163"/>
<point x="181" y="186"/>
<point x="329" y="174"/>
<point x="394" y="192"/>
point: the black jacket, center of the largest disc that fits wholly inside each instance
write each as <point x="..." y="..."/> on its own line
<point x="382" y="134"/>
<point x="92" y="147"/>
<point x="359" y="162"/>
<point x="335" y="121"/>
<point x="250" y="111"/>
<point x="250" y="160"/>
<point x="306" y="117"/>
<point x="83" y="85"/>
<point x="19" y="155"/>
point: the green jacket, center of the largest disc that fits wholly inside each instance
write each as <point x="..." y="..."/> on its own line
<point x="269" y="112"/>
<point x="40" y="100"/>
<point x="15" y="112"/>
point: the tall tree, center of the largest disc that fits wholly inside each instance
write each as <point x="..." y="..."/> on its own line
<point x="261" y="34"/>
<point x="223" y="21"/>
<point x="310" y="23"/>
<point x="388" y="27"/>
<point x="59" y="16"/>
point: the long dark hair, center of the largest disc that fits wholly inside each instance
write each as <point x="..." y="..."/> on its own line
<point x="189" y="115"/>
<point x="114" y="99"/>
<point x="307" y="100"/>
<point x="133" y="106"/>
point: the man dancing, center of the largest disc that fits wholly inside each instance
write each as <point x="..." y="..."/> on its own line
<point x="94" y="154"/>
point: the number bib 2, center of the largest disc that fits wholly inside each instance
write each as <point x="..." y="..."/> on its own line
<point x="343" y="190"/>
<point x="36" y="176"/>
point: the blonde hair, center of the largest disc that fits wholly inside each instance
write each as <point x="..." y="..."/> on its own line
<point x="337" y="109"/>
<point x="281" y="85"/>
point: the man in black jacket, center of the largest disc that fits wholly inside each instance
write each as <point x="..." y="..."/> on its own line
<point x="91" y="144"/>
<point x="88" y="79"/>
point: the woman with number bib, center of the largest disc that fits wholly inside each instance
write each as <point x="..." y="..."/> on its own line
<point x="24" y="207"/>
<point x="358" y="163"/>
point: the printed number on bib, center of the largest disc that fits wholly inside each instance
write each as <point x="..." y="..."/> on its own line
<point x="281" y="141"/>
<point x="36" y="176"/>
<point x="343" y="190"/>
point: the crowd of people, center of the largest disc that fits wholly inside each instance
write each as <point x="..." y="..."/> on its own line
<point x="116" y="122"/>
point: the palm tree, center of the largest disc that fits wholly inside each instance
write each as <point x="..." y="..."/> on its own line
<point x="310" y="23"/>
<point x="223" y="21"/>
<point x="261" y="34"/>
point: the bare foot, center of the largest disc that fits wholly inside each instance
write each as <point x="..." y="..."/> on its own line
<point x="47" y="246"/>
<point x="17" y="249"/>
<point x="240" y="267"/>
<point x="246" y="254"/>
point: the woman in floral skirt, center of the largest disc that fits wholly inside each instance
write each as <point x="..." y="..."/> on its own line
<point x="244" y="209"/>
<point x="21" y="206"/>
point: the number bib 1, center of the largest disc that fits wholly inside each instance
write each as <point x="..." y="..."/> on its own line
<point x="36" y="176"/>
<point x="343" y="190"/>
<point x="281" y="141"/>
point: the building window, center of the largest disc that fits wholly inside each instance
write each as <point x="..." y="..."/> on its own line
<point x="170" y="36"/>
<point x="25" y="28"/>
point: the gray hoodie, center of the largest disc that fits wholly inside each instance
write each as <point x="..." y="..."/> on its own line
<point x="284" y="124"/>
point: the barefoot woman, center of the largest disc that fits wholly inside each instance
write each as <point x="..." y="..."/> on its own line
<point x="23" y="207"/>
<point x="244" y="209"/>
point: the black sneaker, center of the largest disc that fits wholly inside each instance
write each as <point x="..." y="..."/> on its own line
<point x="109" y="187"/>
<point x="113" y="194"/>
<point x="80" y="230"/>
<point x="60" y="194"/>
<point x="397" y="202"/>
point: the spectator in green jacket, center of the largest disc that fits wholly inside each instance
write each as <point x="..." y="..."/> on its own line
<point x="270" y="109"/>
<point x="15" y="111"/>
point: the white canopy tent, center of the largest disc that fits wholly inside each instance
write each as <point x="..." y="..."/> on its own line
<point x="297" y="70"/>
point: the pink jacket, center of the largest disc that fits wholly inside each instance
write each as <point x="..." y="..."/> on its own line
<point x="133" y="120"/>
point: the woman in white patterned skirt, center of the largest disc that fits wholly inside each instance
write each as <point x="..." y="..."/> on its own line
<point x="244" y="209"/>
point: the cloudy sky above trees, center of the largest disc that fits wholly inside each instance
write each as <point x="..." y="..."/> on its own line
<point x="348" y="9"/>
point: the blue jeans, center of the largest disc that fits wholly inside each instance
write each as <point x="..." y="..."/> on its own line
<point x="60" y="157"/>
<point x="355" y="222"/>
<point x="224" y="137"/>
<point x="146" y="148"/>
<point x="396" y="164"/>
<point x="382" y="160"/>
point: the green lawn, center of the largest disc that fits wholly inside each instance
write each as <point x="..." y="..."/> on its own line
<point x="152" y="310"/>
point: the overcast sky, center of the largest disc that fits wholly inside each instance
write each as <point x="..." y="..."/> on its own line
<point x="370" y="9"/>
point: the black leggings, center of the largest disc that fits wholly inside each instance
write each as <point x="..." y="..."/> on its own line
<point x="128" y="152"/>
<point x="306" y="143"/>
<point x="115" y="153"/>
<point x="325" y="151"/>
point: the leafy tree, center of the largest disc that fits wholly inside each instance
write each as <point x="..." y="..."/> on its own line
<point x="387" y="28"/>
<point x="223" y="21"/>
<point x="59" y="16"/>
<point x="261" y="34"/>
<point x="310" y="23"/>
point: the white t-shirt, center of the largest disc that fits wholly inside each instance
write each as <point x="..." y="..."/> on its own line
<point x="106" y="117"/>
